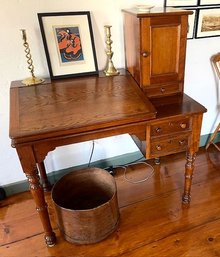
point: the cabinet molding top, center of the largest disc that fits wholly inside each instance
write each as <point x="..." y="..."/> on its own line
<point x="158" y="11"/>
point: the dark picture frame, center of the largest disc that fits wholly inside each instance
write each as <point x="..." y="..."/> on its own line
<point x="180" y="3"/>
<point x="209" y="2"/>
<point x="69" y="44"/>
<point x="192" y="21"/>
<point x="208" y="22"/>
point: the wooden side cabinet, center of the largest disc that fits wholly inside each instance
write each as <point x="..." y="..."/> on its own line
<point x="155" y="50"/>
<point x="155" y="47"/>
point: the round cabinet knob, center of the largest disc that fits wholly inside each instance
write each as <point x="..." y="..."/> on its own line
<point x="183" y="125"/>
<point x="182" y="142"/>
<point x="158" y="130"/>
<point x="158" y="147"/>
<point x="145" y="54"/>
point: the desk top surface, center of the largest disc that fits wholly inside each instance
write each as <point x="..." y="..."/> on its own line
<point x="76" y="105"/>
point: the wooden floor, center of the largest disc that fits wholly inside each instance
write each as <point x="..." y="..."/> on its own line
<point x="153" y="221"/>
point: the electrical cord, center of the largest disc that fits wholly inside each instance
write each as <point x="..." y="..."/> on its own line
<point x="92" y="151"/>
<point x="142" y="180"/>
<point x="125" y="166"/>
<point x="138" y="181"/>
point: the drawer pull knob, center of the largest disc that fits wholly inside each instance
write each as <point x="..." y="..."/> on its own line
<point x="158" y="130"/>
<point x="145" y="54"/>
<point x="182" y="142"/>
<point x="158" y="147"/>
<point x="183" y="125"/>
<point x="162" y="90"/>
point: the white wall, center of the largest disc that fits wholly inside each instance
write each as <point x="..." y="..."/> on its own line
<point x="200" y="80"/>
<point x="17" y="14"/>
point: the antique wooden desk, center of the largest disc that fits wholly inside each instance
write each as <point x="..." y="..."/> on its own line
<point x="67" y="111"/>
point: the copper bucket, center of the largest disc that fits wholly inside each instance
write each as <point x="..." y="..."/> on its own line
<point x="86" y="205"/>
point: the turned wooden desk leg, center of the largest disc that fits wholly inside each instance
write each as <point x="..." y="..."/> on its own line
<point x="157" y="161"/>
<point x="189" y="168"/>
<point x="41" y="206"/>
<point x="43" y="175"/>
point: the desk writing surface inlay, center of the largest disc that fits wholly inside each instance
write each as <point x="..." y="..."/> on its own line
<point x="77" y="104"/>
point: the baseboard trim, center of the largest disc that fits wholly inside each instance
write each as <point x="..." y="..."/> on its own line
<point x="204" y="139"/>
<point x="54" y="176"/>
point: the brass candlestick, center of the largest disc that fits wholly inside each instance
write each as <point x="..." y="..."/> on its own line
<point x="33" y="80"/>
<point x="110" y="70"/>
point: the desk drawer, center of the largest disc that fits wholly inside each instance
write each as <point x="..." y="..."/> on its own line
<point x="168" y="146"/>
<point x="170" y="127"/>
<point x="155" y="91"/>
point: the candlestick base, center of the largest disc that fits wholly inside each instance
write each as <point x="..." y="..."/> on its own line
<point x="32" y="81"/>
<point x="111" y="70"/>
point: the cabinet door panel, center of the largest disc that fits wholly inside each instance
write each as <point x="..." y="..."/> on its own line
<point x="161" y="44"/>
<point x="164" y="50"/>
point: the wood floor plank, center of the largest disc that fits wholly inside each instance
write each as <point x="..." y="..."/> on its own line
<point x="153" y="220"/>
<point x="141" y="224"/>
<point x="19" y="220"/>
<point x="167" y="177"/>
<point x="203" y="241"/>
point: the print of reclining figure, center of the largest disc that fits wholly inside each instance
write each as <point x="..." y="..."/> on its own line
<point x="69" y="44"/>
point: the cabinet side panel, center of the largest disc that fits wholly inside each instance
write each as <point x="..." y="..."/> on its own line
<point x="132" y="45"/>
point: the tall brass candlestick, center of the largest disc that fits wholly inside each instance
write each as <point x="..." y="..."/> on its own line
<point x="33" y="80"/>
<point x="110" y="70"/>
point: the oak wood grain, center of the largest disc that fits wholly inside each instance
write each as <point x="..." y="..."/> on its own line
<point x="75" y="110"/>
<point x="155" y="47"/>
<point x="76" y="105"/>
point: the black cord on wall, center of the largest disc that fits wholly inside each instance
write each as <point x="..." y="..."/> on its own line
<point x="92" y="151"/>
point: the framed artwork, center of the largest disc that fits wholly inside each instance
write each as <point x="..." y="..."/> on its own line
<point x="192" y="24"/>
<point x="209" y="2"/>
<point x="208" y="24"/>
<point x="68" y="43"/>
<point x="181" y="3"/>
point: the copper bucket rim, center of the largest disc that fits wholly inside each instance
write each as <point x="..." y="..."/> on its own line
<point x="80" y="171"/>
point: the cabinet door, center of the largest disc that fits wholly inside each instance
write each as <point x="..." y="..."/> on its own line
<point x="163" y="46"/>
